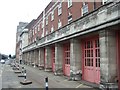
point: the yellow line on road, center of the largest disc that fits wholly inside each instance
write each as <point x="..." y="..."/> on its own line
<point x="79" y="85"/>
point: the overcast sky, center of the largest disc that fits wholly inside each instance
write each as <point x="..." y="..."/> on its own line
<point x="11" y="13"/>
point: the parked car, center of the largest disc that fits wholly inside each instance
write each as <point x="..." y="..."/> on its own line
<point x="2" y="61"/>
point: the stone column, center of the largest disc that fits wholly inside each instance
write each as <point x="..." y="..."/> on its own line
<point x="58" y="59"/>
<point x="48" y="61"/>
<point x="28" y="59"/>
<point x="37" y="57"/>
<point x="108" y="66"/>
<point x="31" y="57"/>
<point x="41" y="58"/>
<point x="25" y="57"/>
<point x="34" y="58"/>
<point x="75" y="60"/>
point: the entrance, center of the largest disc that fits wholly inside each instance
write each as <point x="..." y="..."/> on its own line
<point x="118" y="46"/>
<point x="66" y="60"/>
<point x="91" y="59"/>
<point x="53" y="59"/>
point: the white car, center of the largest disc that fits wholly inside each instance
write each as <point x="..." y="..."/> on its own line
<point x="2" y="61"/>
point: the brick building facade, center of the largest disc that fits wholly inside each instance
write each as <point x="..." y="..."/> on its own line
<point x="72" y="38"/>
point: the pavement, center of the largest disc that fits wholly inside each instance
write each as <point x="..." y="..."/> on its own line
<point x="11" y="79"/>
<point x="1" y="67"/>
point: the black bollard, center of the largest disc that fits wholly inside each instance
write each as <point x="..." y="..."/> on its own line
<point x="25" y="75"/>
<point x="46" y="83"/>
<point x="25" y="81"/>
<point x="22" y="70"/>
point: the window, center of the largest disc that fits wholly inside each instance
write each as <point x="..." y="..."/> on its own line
<point x="92" y="53"/>
<point x="35" y="40"/>
<point x="46" y="32"/>
<point x="52" y="28"/>
<point x="97" y="53"/>
<point x="46" y="20"/>
<point x="38" y="27"/>
<point x="67" y="54"/>
<point x="52" y="15"/>
<point x="32" y="40"/>
<point x="84" y="8"/>
<point x="33" y="31"/>
<point x="42" y="24"/>
<point x="59" y="24"/>
<point x="105" y="1"/>
<point x="69" y="17"/>
<point x="60" y="8"/>
<point x="94" y="5"/>
<point x="69" y="3"/>
<point x="88" y="53"/>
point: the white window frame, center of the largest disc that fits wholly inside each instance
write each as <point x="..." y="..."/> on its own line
<point x="35" y="39"/>
<point x="69" y="3"/>
<point x="60" y="8"/>
<point x="52" y="15"/>
<point x="105" y="1"/>
<point x="84" y="9"/>
<point x="46" y="32"/>
<point x="52" y="28"/>
<point x="42" y="24"/>
<point x="59" y="24"/>
<point x="47" y="20"/>
<point x="69" y="20"/>
<point x="38" y="27"/>
<point x="33" y="31"/>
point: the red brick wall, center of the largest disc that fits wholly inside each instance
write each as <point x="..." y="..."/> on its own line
<point x="75" y="10"/>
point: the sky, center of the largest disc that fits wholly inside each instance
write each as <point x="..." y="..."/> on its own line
<point x="11" y="13"/>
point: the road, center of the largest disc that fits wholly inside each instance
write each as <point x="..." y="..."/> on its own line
<point x="1" y="68"/>
<point x="11" y="80"/>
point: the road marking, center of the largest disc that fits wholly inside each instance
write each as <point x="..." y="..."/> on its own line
<point x="79" y="85"/>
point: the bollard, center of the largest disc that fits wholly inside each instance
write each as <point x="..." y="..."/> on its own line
<point x="18" y="67"/>
<point x="25" y="81"/>
<point x="25" y="75"/>
<point x="22" y="70"/>
<point x="46" y="83"/>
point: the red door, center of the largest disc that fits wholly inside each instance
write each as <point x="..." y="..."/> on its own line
<point x="53" y="59"/>
<point x="118" y="46"/>
<point x="66" y="60"/>
<point x="91" y="59"/>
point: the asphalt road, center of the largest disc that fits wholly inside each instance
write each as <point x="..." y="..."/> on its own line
<point x="11" y="80"/>
<point x="1" y="76"/>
